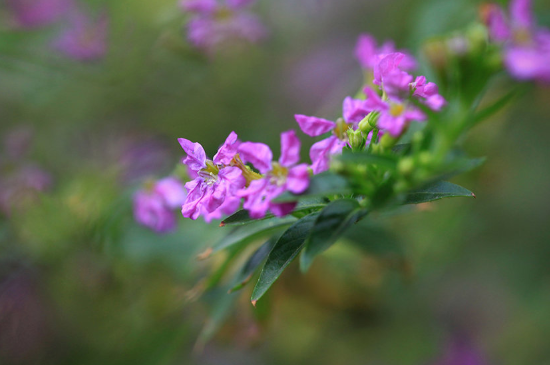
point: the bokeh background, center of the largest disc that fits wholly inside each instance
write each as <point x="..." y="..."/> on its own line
<point x="82" y="283"/>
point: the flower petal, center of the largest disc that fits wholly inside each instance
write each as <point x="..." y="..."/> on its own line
<point x="172" y="192"/>
<point x="290" y="149"/>
<point x="228" y="150"/>
<point x="258" y="154"/>
<point x="353" y="110"/>
<point x="313" y="126"/>
<point x="196" y="157"/>
<point x="321" y="151"/>
<point x="297" y="180"/>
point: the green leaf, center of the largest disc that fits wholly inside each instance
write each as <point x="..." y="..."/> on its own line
<point x="323" y="184"/>
<point x="436" y="191"/>
<point x="331" y="223"/>
<point x="285" y="250"/>
<point x="389" y="161"/>
<point x="253" y="231"/>
<point x="242" y="217"/>
<point x="245" y="274"/>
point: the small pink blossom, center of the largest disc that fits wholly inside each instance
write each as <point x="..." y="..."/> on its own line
<point x="214" y="188"/>
<point x="395" y="115"/>
<point x="283" y="175"/>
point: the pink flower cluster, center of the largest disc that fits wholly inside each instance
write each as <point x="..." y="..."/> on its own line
<point x="392" y="111"/>
<point x="526" y="46"/>
<point x="214" y="23"/>
<point x="242" y="170"/>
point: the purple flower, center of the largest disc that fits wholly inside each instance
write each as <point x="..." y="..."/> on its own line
<point x="369" y="54"/>
<point x="279" y="176"/>
<point x="398" y="84"/>
<point x="461" y="351"/>
<point x="154" y="207"/>
<point x="395" y="115"/>
<point x="526" y="47"/>
<point x="353" y="111"/>
<point x="37" y="13"/>
<point x="213" y="190"/>
<point x="84" y="38"/>
<point x="429" y="91"/>
<point x="214" y="24"/>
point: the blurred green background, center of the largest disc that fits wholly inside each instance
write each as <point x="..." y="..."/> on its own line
<point x="82" y="283"/>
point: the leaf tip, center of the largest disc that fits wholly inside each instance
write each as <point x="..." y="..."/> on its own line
<point x="222" y="223"/>
<point x="475" y="197"/>
<point x="206" y="254"/>
<point x="254" y="303"/>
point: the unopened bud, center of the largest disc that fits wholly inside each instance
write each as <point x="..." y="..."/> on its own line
<point x="364" y="125"/>
<point x="356" y="140"/>
<point x="406" y="165"/>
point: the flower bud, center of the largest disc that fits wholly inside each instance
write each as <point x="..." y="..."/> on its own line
<point x="364" y="125"/>
<point x="406" y="165"/>
<point x="356" y="140"/>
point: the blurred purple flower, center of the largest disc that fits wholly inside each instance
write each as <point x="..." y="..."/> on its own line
<point x="461" y="351"/>
<point x="84" y="38"/>
<point x="398" y="84"/>
<point x="369" y="54"/>
<point x="279" y="176"/>
<point x="154" y="207"/>
<point x="526" y="47"/>
<point x="21" y="185"/>
<point x="216" y="23"/>
<point x="213" y="190"/>
<point x="37" y="13"/>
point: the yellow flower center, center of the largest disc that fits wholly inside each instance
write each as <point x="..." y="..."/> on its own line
<point x="522" y="36"/>
<point x="278" y="174"/>
<point x="248" y="174"/>
<point x="341" y="129"/>
<point x="397" y="109"/>
<point x="224" y="13"/>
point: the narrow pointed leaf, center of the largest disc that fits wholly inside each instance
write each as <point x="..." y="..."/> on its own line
<point x="245" y="274"/>
<point x="282" y="254"/>
<point x="331" y="223"/>
<point x="436" y="191"/>
<point x="320" y="185"/>
<point x="253" y="231"/>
